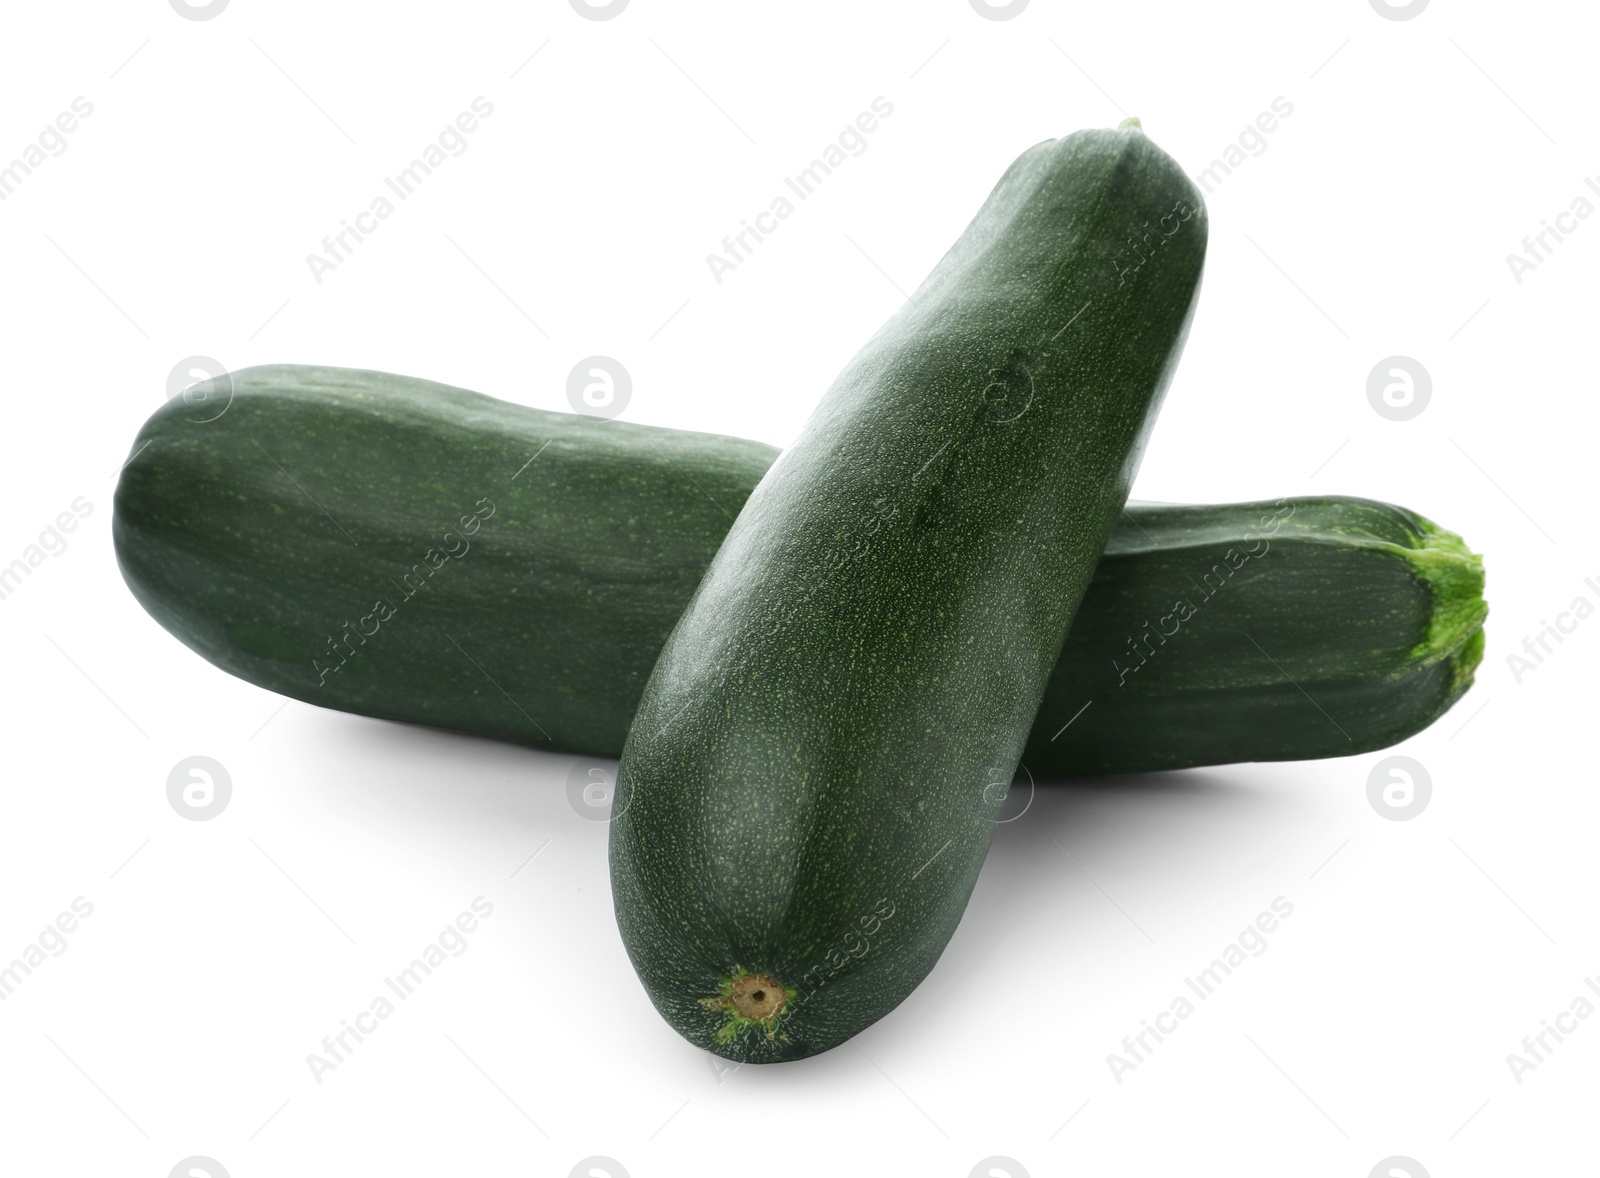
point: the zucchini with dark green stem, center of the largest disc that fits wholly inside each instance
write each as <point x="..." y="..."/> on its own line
<point x="1261" y="632"/>
<point x="570" y="589"/>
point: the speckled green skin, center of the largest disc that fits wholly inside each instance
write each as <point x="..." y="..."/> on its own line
<point x="256" y="534"/>
<point x="1266" y="631"/>
<point x="242" y="567"/>
<point x="863" y="660"/>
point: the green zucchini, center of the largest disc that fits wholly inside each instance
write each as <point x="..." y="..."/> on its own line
<point x="417" y="552"/>
<point x="600" y="542"/>
<point x="1264" y="632"/>
<point x="817" y="748"/>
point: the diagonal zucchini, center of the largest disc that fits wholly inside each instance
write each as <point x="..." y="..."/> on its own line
<point x="866" y="654"/>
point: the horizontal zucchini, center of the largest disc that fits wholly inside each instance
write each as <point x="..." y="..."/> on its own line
<point x="411" y="551"/>
<point x="1287" y="630"/>
<point x="544" y="631"/>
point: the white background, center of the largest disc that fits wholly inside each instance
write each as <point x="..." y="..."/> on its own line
<point x="1377" y="221"/>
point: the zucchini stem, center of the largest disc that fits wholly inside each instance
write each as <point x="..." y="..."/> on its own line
<point x="750" y="1000"/>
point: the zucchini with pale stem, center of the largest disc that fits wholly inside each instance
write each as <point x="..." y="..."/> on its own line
<point x="865" y="656"/>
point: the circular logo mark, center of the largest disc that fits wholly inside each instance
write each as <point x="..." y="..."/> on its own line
<point x="599" y="387"/>
<point x="597" y="1166"/>
<point x="1399" y="12"/>
<point x="204" y="384"/>
<point x="1013" y="799"/>
<point x="199" y="788"/>
<point x="1397" y="1166"/>
<point x="1008" y="395"/>
<point x="999" y="1167"/>
<point x="1399" y="788"/>
<point x="197" y="1166"/>
<point x="1398" y="388"/>
<point x="607" y="11"/>
<point x="592" y="791"/>
<point x="1001" y="12"/>
<point x="201" y="12"/>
